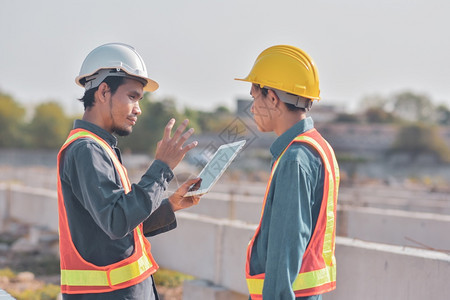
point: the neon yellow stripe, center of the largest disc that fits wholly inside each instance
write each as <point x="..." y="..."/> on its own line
<point x="255" y="286"/>
<point x="119" y="167"/>
<point x="336" y="167"/>
<point x="117" y="276"/>
<point x="130" y="271"/>
<point x="328" y="239"/>
<point x="303" y="281"/>
<point x="84" y="278"/>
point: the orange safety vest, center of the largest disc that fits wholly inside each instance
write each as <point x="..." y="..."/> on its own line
<point x="79" y="276"/>
<point x="318" y="271"/>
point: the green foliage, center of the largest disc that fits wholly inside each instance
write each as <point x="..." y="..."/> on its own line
<point x="443" y="115"/>
<point x="149" y="129"/>
<point x="49" y="127"/>
<point x="403" y="107"/>
<point x="170" y="278"/>
<point x="347" y="118"/>
<point x="373" y="101"/>
<point x="8" y="273"/>
<point x="11" y="121"/>
<point x="47" y="292"/>
<point x="413" y="107"/>
<point x="215" y="121"/>
<point x="378" y="115"/>
<point x="418" y="139"/>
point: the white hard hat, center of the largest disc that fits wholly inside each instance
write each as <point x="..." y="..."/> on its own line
<point x="113" y="59"/>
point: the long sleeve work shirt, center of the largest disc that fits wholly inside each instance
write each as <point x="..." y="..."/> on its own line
<point x="290" y="214"/>
<point x="101" y="216"/>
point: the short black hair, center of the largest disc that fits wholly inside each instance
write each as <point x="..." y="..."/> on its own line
<point x="290" y="107"/>
<point x="113" y="83"/>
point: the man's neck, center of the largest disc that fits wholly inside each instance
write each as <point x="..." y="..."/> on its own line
<point x="287" y="120"/>
<point x="92" y="117"/>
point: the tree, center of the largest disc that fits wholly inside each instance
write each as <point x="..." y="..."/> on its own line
<point x="150" y="126"/>
<point x="49" y="127"/>
<point x="193" y="116"/>
<point x="373" y="101"/>
<point x="421" y="139"/>
<point x="375" y="109"/>
<point x="347" y="118"/>
<point x="378" y="115"/>
<point x="443" y="115"/>
<point x="11" y="122"/>
<point x="413" y="107"/>
<point x="215" y="121"/>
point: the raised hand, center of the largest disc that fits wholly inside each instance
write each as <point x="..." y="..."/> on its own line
<point x="171" y="149"/>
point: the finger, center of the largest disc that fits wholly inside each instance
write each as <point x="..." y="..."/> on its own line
<point x="189" y="147"/>
<point x="168" y="129"/>
<point x="184" y="137"/>
<point x="196" y="200"/>
<point x="190" y="182"/>
<point x="180" y="130"/>
<point x="196" y="186"/>
<point x="186" y="187"/>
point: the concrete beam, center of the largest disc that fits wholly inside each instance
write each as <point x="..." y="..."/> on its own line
<point x="397" y="227"/>
<point x="377" y="271"/>
<point x="365" y="270"/>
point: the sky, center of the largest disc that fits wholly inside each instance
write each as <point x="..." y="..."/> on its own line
<point x="194" y="49"/>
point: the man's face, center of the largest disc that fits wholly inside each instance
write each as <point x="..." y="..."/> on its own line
<point x="262" y="111"/>
<point x="124" y="107"/>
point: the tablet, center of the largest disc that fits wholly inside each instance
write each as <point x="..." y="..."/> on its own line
<point x="216" y="167"/>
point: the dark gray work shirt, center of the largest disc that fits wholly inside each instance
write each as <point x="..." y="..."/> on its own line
<point x="101" y="216"/>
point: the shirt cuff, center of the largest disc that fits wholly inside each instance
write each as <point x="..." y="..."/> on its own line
<point x="160" y="172"/>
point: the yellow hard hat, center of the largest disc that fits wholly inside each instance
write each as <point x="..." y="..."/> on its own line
<point x="286" y="68"/>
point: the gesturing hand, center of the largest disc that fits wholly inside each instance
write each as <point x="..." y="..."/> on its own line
<point x="177" y="199"/>
<point x="170" y="149"/>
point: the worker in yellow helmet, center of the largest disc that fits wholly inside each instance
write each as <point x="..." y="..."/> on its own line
<point x="291" y="255"/>
<point x="103" y="218"/>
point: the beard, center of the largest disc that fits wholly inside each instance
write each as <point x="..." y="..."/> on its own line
<point x="122" y="132"/>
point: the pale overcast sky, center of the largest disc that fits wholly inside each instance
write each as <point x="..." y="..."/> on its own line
<point x="195" y="48"/>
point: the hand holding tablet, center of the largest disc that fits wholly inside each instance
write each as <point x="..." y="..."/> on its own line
<point x="216" y="167"/>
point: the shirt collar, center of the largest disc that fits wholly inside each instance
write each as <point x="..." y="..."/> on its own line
<point x="108" y="137"/>
<point x="283" y="140"/>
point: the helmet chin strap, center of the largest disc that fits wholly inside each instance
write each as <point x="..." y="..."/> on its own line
<point x="295" y="100"/>
<point x="97" y="78"/>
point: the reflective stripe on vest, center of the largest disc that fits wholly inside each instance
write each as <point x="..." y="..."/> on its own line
<point x="315" y="277"/>
<point x="79" y="276"/>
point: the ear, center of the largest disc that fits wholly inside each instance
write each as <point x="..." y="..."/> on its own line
<point x="273" y="98"/>
<point x="103" y="92"/>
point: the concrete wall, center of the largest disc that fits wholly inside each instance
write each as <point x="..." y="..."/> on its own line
<point x="365" y="270"/>
<point x="377" y="271"/>
<point x="28" y="205"/>
<point x="214" y="249"/>
<point x="207" y="248"/>
<point x="390" y="226"/>
<point x="404" y="228"/>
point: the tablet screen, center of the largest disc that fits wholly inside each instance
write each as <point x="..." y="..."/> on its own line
<point x="217" y="166"/>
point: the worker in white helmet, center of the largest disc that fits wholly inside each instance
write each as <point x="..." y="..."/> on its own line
<point x="103" y="218"/>
<point x="291" y="255"/>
